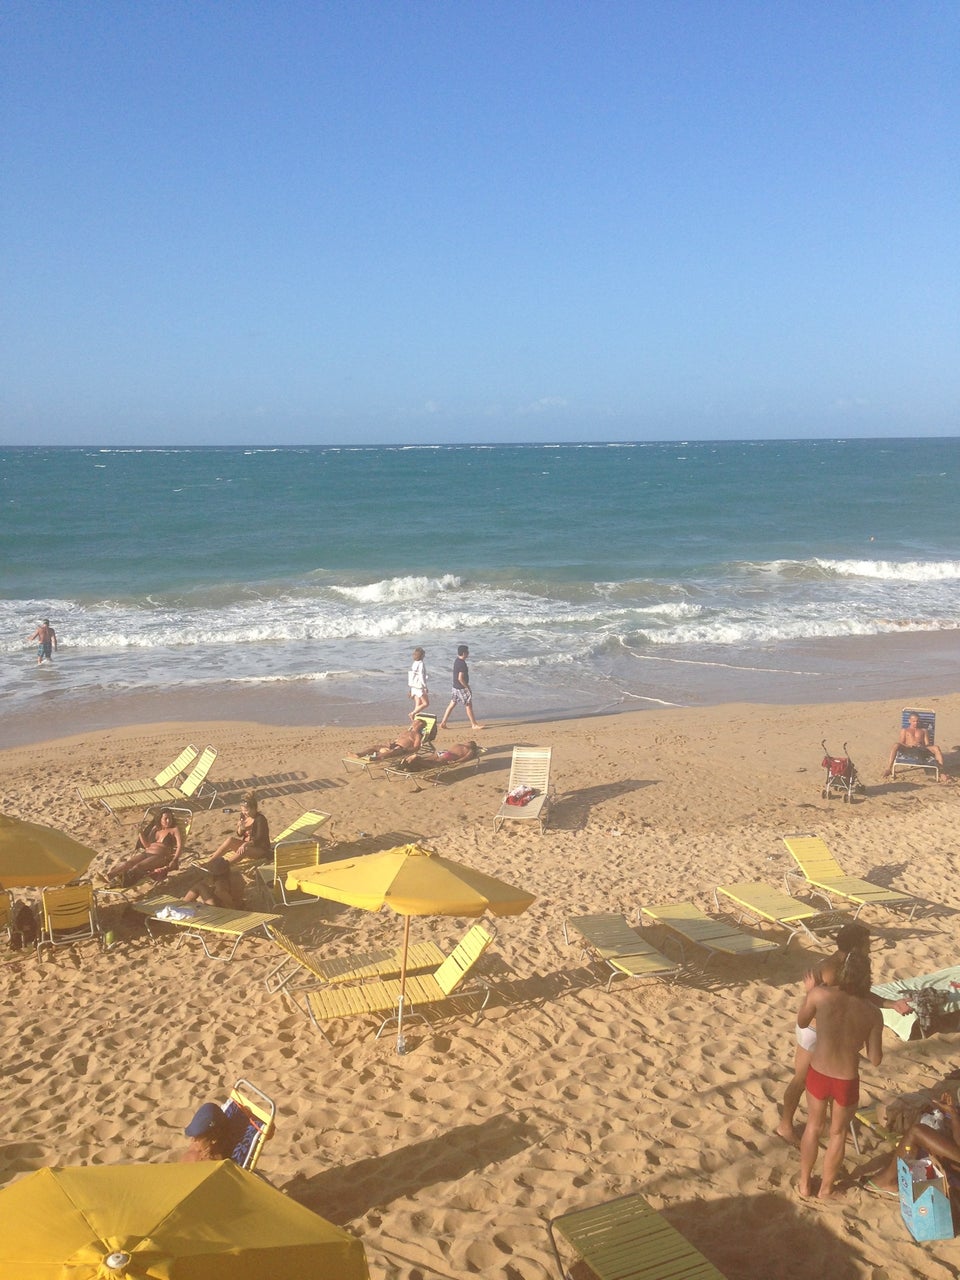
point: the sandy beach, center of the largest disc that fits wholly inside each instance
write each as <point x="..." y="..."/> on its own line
<point x="449" y="1161"/>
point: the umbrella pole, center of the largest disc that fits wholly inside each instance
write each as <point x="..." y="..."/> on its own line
<point x="401" y="1043"/>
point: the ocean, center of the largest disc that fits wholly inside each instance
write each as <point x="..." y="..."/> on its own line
<point x="290" y="585"/>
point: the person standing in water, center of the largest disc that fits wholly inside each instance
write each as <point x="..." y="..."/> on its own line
<point x="46" y="639"/>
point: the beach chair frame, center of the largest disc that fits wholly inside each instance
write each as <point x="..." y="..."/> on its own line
<point x="68" y="915"/>
<point x="298" y="845"/>
<point x="763" y="904"/>
<point x="364" y="967"/>
<point x="166" y="777"/>
<point x="206" y="922"/>
<point x="611" y="942"/>
<point x="685" y="925"/>
<point x="529" y="767"/>
<point x="819" y="872"/>
<point x="194" y="790"/>
<point x="260" y="1112"/>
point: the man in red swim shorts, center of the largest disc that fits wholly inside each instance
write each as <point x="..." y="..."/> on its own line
<point x="847" y="1022"/>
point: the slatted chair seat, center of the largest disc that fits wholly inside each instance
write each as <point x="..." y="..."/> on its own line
<point x="691" y="927"/>
<point x="205" y="922"/>
<point x="298" y="845"/>
<point x="194" y="788"/>
<point x="529" y="767"/>
<point x="428" y="990"/>
<point x="168" y="775"/>
<point x="819" y="869"/>
<point x="298" y="964"/>
<point x="621" y="949"/>
<point x="772" y="906"/>
<point x="626" y="1239"/>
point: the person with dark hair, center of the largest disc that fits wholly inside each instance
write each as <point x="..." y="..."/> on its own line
<point x="252" y="839"/>
<point x="221" y="886"/>
<point x="847" y="1022"/>
<point x="210" y="1133"/>
<point x="851" y="937"/>
<point x="402" y="744"/>
<point x="46" y="639"/>
<point x="461" y="695"/>
<point x="159" y="845"/>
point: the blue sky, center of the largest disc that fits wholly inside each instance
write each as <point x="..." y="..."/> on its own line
<point x="445" y="220"/>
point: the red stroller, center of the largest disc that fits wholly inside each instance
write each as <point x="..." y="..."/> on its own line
<point x="842" y="777"/>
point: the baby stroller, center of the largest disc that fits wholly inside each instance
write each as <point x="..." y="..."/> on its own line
<point x="842" y="777"/>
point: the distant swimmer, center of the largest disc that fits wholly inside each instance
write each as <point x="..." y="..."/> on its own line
<point x="46" y="639"/>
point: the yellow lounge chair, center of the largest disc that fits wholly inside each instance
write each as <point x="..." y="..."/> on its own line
<point x="823" y="875"/>
<point x="251" y="1105"/>
<point x="194" y="787"/>
<point x="175" y="769"/>
<point x="691" y="927"/>
<point x="620" y="948"/>
<point x="345" y="1001"/>
<point x="626" y="1239"/>
<point x="529" y="767"/>
<point x="68" y="915"/>
<point x="771" y="906"/>
<point x="356" y="968"/>
<point x="199" y="920"/>
<point x="296" y="846"/>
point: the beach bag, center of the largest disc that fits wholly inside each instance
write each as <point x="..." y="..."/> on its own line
<point x="24" y="930"/>
<point x="520" y="795"/>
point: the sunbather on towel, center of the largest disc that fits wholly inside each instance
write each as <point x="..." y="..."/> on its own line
<point x="159" y="846"/>
<point x="914" y="740"/>
<point x="406" y="741"/>
<point x="936" y="1133"/>
<point x="457" y="753"/>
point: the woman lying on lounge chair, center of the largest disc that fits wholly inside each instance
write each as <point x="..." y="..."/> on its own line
<point x="458" y="753"/>
<point x="159" y="846"/>
<point x="409" y="740"/>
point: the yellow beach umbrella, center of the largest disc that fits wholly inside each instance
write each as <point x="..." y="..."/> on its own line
<point x="34" y="856"/>
<point x="203" y="1221"/>
<point x="413" y="881"/>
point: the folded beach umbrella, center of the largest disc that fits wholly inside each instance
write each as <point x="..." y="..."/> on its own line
<point x="201" y="1221"/>
<point x="34" y="856"/>
<point x="413" y="881"/>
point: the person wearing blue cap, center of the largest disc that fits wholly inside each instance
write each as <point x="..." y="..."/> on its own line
<point x="210" y="1135"/>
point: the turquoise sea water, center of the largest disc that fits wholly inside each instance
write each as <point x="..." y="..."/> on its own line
<point x="584" y="578"/>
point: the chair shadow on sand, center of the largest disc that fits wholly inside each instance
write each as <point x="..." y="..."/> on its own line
<point x="765" y="1235"/>
<point x="346" y="1192"/>
<point x="570" y="811"/>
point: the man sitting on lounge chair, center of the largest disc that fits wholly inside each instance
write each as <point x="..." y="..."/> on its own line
<point x="914" y="742"/>
<point x="458" y="753"/>
<point x="409" y="740"/>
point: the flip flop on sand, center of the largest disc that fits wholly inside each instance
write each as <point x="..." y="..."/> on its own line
<point x="868" y="1184"/>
